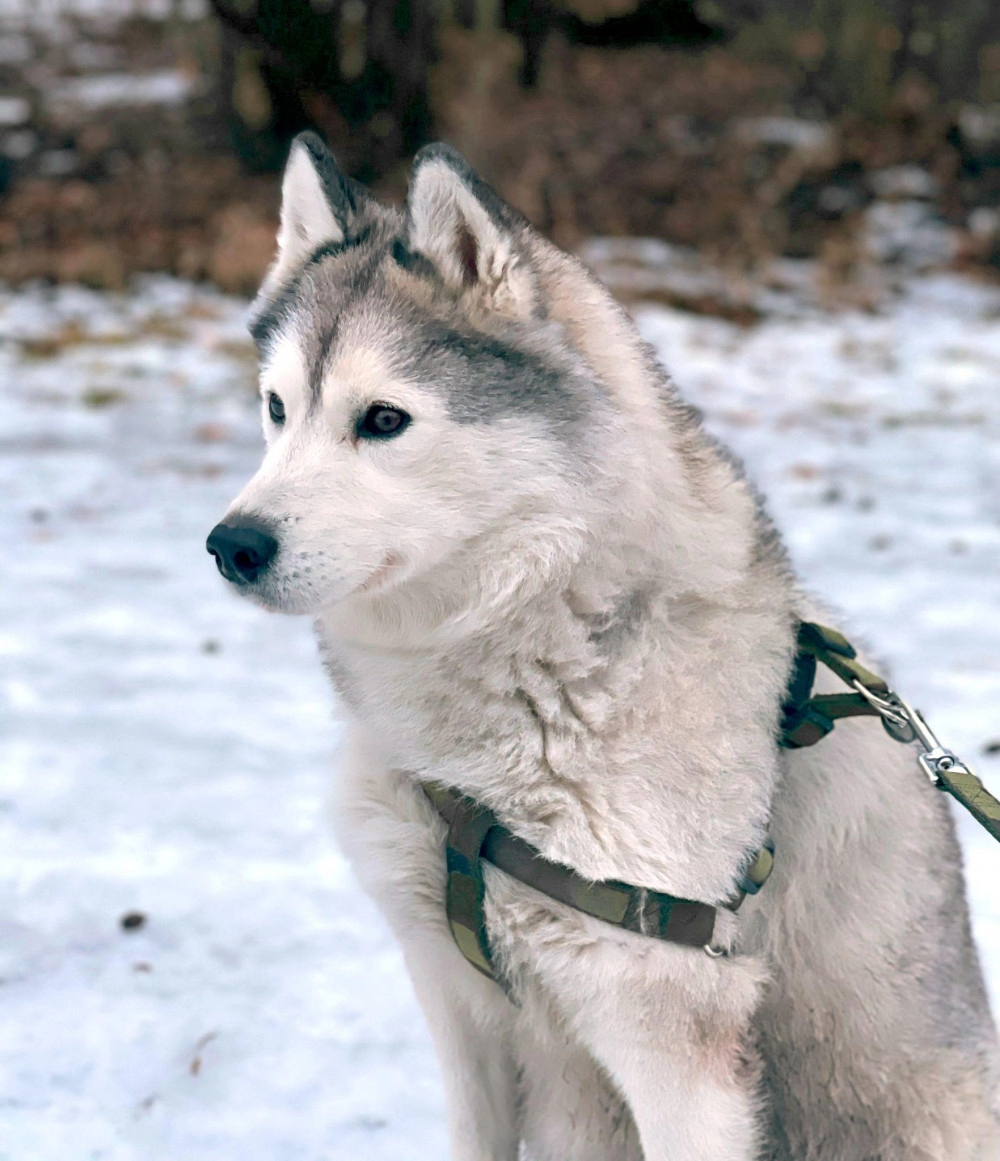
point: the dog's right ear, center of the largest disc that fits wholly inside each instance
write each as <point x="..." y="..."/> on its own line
<point x="317" y="204"/>
<point x="467" y="233"/>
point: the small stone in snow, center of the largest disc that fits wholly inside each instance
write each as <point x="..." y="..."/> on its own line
<point x="97" y="397"/>
<point x="132" y="920"/>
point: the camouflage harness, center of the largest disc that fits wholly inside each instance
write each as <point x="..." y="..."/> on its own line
<point x="474" y="834"/>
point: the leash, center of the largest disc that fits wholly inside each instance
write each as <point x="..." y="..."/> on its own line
<point x="808" y="718"/>
<point x="475" y="834"/>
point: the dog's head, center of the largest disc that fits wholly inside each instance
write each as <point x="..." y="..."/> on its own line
<point x="439" y="398"/>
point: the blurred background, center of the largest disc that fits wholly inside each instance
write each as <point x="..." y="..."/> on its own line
<point x="147" y="135"/>
<point x="798" y="201"/>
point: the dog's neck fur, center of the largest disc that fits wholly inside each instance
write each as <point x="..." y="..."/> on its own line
<point x="533" y="689"/>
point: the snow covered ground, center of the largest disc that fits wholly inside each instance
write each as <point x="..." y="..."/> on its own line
<point x="167" y="749"/>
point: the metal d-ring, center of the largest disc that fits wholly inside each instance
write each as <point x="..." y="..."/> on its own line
<point x="886" y="708"/>
<point x="714" y="952"/>
<point x="895" y="714"/>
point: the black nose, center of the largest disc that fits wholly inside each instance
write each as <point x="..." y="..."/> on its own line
<point x="242" y="552"/>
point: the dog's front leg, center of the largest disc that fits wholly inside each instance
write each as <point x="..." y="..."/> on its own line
<point x="670" y="1026"/>
<point x="469" y="1019"/>
<point x="395" y="843"/>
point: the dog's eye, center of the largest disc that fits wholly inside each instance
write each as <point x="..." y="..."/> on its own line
<point x="381" y="421"/>
<point x="276" y="409"/>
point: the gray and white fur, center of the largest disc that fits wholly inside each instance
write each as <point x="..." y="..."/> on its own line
<point x="553" y="591"/>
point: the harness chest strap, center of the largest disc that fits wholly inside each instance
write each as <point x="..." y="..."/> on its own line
<point x="474" y="834"/>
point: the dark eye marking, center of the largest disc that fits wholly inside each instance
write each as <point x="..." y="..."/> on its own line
<point x="276" y="409"/>
<point x="381" y="421"/>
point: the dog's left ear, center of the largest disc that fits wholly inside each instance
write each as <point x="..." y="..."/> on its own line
<point x="474" y="240"/>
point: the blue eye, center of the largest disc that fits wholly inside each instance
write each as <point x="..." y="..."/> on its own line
<point x="276" y="409"/>
<point x="381" y="421"/>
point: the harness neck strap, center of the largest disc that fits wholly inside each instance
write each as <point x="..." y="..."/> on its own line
<point x="807" y="719"/>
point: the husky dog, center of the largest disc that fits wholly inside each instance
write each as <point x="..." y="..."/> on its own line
<point x="537" y="580"/>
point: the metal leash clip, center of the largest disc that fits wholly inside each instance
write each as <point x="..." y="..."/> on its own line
<point x="935" y="759"/>
<point x="906" y="724"/>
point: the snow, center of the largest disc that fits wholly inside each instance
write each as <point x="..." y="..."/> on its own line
<point x="165" y="87"/>
<point x="14" y="110"/>
<point x="168" y="749"/>
<point x="980" y="123"/>
<point x="791" y="132"/>
<point x="904" y="181"/>
<point x="57" y="19"/>
<point x="910" y="233"/>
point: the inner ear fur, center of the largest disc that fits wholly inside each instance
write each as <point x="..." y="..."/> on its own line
<point x="473" y="239"/>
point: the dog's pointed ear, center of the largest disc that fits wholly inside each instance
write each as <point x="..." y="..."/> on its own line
<point x="474" y="240"/>
<point x="317" y="203"/>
